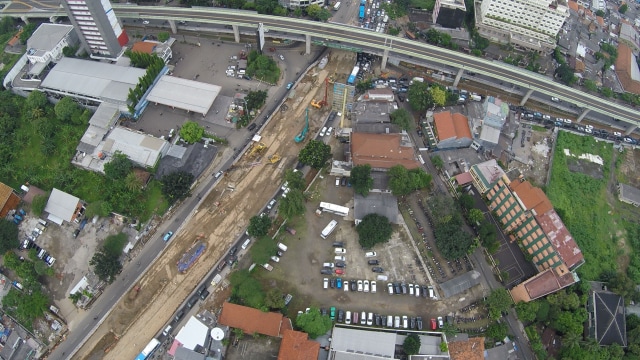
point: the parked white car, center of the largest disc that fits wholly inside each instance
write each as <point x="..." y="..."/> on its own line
<point x="366" y="285"/>
<point x="340" y="250"/>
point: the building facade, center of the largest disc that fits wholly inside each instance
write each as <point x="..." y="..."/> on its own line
<point x="528" y="24"/>
<point x="97" y="27"/>
<point x="449" y="13"/>
<point x="292" y="4"/>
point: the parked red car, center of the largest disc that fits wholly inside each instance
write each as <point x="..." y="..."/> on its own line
<point x="339" y="271"/>
<point x="434" y="325"/>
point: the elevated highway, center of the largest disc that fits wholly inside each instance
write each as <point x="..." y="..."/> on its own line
<point x="409" y="50"/>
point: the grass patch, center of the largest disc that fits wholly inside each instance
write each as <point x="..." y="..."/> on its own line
<point x="155" y="203"/>
<point x="422" y="4"/>
<point x="581" y="202"/>
<point x="538" y="128"/>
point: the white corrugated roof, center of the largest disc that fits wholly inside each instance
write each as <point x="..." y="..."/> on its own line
<point x="61" y="204"/>
<point x="192" y="334"/>
<point x="48" y="36"/>
<point x="140" y="148"/>
<point x="184" y="94"/>
<point x="93" y="79"/>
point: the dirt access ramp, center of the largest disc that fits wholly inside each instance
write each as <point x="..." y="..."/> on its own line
<point x="220" y="219"/>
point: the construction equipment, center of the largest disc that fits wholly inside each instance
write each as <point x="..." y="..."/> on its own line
<point x="300" y="137"/>
<point x="326" y="91"/>
<point x="315" y="104"/>
<point x="274" y="158"/>
<point x="257" y="148"/>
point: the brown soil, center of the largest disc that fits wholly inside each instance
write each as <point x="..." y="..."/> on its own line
<point x="222" y="217"/>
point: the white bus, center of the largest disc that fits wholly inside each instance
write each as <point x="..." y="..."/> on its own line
<point x="329" y="229"/>
<point x="336" y="6"/>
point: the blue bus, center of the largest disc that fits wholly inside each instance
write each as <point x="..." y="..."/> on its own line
<point x="361" y="12"/>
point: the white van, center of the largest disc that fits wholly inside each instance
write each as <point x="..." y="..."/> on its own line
<point x="167" y="330"/>
<point x="396" y="323"/>
<point x="43" y="222"/>
<point x="245" y="244"/>
<point x="431" y="294"/>
<point x="347" y="318"/>
<point x="282" y="247"/>
<point x="405" y="322"/>
<point x="337" y="181"/>
<point x="390" y="321"/>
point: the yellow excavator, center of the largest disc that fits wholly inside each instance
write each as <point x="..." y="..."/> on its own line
<point x="257" y="148"/>
<point x="274" y="158"/>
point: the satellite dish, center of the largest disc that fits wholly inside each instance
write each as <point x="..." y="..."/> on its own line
<point x="217" y="334"/>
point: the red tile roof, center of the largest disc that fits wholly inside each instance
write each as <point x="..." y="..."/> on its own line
<point x="451" y="125"/>
<point x="600" y="20"/>
<point x="296" y="346"/>
<point x="561" y="239"/>
<point x="532" y="197"/>
<point x="381" y="151"/>
<point x="573" y="5"/>
<point x="251" y="320"/>
<point x="545" y="283"/>
<point x="143" y="47"/>
<point x="623" y="69"/>
<point x="464" y="178"/>
<point x="472" y="349"/>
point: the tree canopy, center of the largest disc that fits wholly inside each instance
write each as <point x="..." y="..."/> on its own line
<point x="119" y="167"/>
<point x="293" y="204"/>
<point x="246" y="290"/>
<point x="177" y="185"/>
<point x="403" y="181"/>
<point x="315" y="154"/>
<point x="8" y="236"/>
<point x="361" y="179"/>
<point x="106" y="261"/>
<point x="318" y="13"/>
<point x="439" y="95"/>
<point x="411" y="344"/>
<point x="402" y="118"/>
<point x="314" y="323"/>
<point x="191" y="132"/>
<point x="419" y="96"/>
<point x="262" y="67"/>
<point x="294" y="180"/>
<point x="498" y="301"/>
<point x="259" y="225"/>
<point x="373" y="229"/>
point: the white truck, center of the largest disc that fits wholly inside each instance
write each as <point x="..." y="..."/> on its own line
<point x="216" y="280"/>
<point x="476" y="97"/>
<point x="268" y="267"/>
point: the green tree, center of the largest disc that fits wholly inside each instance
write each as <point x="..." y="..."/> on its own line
<point x="419" y="96"/>
<point x="8" y="236"/>
<point x="114" y="244"/>
<point x="476" y="216"/>
<point x="314" y="323"/>
<point x="497" y="331"/>
<point x="255" y="99"/>
<point x="191" y="132"/>
<point x="411" y="344"/>
<point x="364" y="85"/>
<point x="600" y="13"/>
<point x="499" y="301"/>
<point x="361" y="179"/>
<point x="65" y="109"/>
<point x="118" y="168"/>
<point x="26" y="307"/>
<point x="373" y="229"/>
<point x="163" y="36"/>
<point x="315" y="154"/>
<point x="246" y="290"/>
<point x="466" y="201"/>
<point x="452" y="241"/>
<point x="566" y="74"/>
<point x="39" y="203"/>
<point x="177" y="185"/>
<point x="527" y="310"/>
<point x="623" y="8"/>
<point x="106" y="265"/>
<point x="439" y="95"/>
<point x="607" y="92"/>
<point x="402" y="118"/>
<point x="590" y="85"/>
<point x="403" y="182"/>
<point x="294" y="180"/>
<point x="27" y="31"/>
<point x="293" y="204"/>
<point x="273" y="299"/>
<point x="259" y="226"/>
<point x="437" y="162"/>
<point x="36" y="100"/>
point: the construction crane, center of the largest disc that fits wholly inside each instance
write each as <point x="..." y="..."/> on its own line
<point x="300" y="137"/>
<point x="323" y="102"/>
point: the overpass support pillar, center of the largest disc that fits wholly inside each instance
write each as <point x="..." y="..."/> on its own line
<point x="631" y="129"/>
<point x="307" y="39"/>
<point x="385" y="56"/>
<point x="526" y="97"/>
<point x="25" y="19"/>
<point x="457" y="80"/>
<point x="236" y="33"/>
<point x="172" y="24"/>
<point x="584" y="113"/>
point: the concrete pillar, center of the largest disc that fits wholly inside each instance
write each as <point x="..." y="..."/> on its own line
<point x="526" y="97"/>
<point x="25" y="19"/>
<point x="236" y="33"/>
<point x="584" y="113"/>
<point x="307" y="39"/>
<point x="385" y="55"/>
<point x="457" y="80"/>
<point x="174" y="29"/>
<point x="631" y="129"/>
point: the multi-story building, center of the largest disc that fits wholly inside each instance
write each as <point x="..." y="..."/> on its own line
<point x="449" y="13"/>
<point x="528" y="24"/>
<point x="528" y="218"/>
<point x="97" y="27"/>
<point x="292" y="4"/>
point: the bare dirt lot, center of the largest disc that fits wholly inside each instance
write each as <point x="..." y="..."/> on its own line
<point x="222" y="217"/>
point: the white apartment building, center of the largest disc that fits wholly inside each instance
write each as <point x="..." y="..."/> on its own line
<point x="529" y="24"/>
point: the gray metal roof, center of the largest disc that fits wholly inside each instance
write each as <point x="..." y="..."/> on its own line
<point x="629" y="194"/>
<point x="92" y="79"/>
<point x="46" y="38"/>
<point x="384" y="204"/>
<point x="61" y="204"/>
<point x="460" y="283"/>
<point x="140" y="148"/>
<point x="355" y="344"/>
<point x="184" y="94"/>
